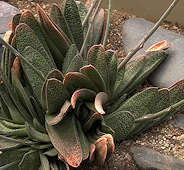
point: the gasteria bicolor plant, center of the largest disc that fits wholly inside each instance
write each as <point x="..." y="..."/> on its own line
<point x="64" y="99"/>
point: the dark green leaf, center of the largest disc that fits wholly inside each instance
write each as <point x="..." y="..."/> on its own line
<point x="76" y="80"/>
<point x="28" y="18"/>
<point x="64" y="136"/>
<point x="92" y="73"/>
<point x="25" y="36"/>
<point x="58" y="37"/>
<point x="44" y="162"/>
<point x="121" y="123"/>
<point x="59" y="20"/>
<point x="97" y="58"/>
<point x="83" y="141"/>
<point x="30" y="161"/>
<point x="39" y="62"/>
<point x="71" y="53"/>
<point x="55" y="95"/>
<point x="71" y="14"/>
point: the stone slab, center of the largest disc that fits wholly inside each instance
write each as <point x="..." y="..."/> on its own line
<point x="6" y="13"/>
<point x="172" y="70"/>
<point x="178" y="121"/>
<point x="148" y="159"/>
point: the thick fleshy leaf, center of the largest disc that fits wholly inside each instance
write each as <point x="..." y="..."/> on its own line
<point x="176" y="92"/>
<point x="38" y="125"/>
<point x="55" y="95"/>
<point x="141" y="103"/>
<point x="83" y="141"/>
<point x="97" y="28"/>
<point x="97" y="58"/>
<point x="39" y="62"/>
<point x="71" y="53"/>
<point x="127" y="76"/>
<point x="53" y="119"/>
<point x="11" y="124"/>
<point x="44" y="162"/>
<point x="75" y="64"/>
<point x="82" y="10"/>
<point x="24" y="115"/>
<point x="71" y="14"/>
<point x="176" y="95"/>
<point x="92" y="73"/>
<point x="14" y="112"/>
<point x="64" y="136"/>
<point x="4" y="130"/>
<point x="82" y="94"/>
<point x="11" y="156"/>
<point x="63" y="164"/>
<point x="6" y="56"/>
<point x="15" y="21"/>
<point x="121" y="123"/>
<point x="82" y="112"/>
<point x="34" y="134"/>
<point x="94" y="118"/>
<point x="20" y="89"/>
<point x="9" y="165"/>
<point x="110" y="145"/>
<point x="76" y="80"/>
<point x="112" y="64"/>
<point x="11" y="58"/>
<point x="8" y="145"/>
<point x="16" y="67"/>
<point x="57" y="36"/>
<point x="152" y="106"/>
<point x="54" y="166"/>
<point x="92" y="152"/>
<point x="25" y="36"/>
<point x="59" y="20"/>
<point x="55" y="73"/>
<point x="52" y="74"/>
<point x="28" y="18"/>
<point x="156" y="100"/>
<point x="3" y="59"/>
<point x="115" y="104"/>
<point x="51" y="152"/>
<point x="151" y="61"/>
<point x="4" y="111"/>
<point x="30" y="160"/>
<point x="101" y="150"/>
<point x="100" y="99"/>
<point x="39" y="110"/>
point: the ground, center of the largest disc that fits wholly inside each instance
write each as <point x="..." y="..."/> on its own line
<point x="163" y="138"/>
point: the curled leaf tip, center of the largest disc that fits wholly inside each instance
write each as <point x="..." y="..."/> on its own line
<point x="101" y="98"/>
<point x="162" y="45"/>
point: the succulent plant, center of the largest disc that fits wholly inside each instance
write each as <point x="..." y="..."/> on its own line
<point x="60" y="106"/>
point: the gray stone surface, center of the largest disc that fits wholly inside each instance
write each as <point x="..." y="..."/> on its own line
<point x="178" y="121"/>
<point x="172" y="70"/>
<point x="6" y="13"/>
<point x="148" y="159"/>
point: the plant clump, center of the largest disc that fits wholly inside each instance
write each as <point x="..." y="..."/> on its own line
<point x="63" y="99"/>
